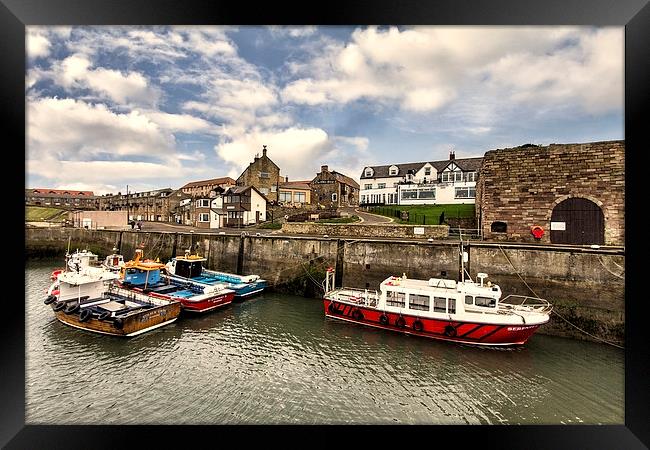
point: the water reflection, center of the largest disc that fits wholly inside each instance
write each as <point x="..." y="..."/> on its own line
<point x="276" y="359"/>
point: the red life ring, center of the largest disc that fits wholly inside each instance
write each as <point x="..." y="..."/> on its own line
<point x="537" y="231"/>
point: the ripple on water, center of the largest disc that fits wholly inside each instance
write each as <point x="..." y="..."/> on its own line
<point x="276" y="359"/>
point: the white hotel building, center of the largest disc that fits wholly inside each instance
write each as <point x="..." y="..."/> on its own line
<point x="452" y="181"/>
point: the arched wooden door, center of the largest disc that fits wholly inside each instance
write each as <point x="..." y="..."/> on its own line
<point x="577" y="221"/>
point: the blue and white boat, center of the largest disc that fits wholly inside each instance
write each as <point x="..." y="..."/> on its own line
<point x="190" y="267"/>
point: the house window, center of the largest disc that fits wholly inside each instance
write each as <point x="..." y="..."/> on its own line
<point x="299" y="197"/>
<point x="334" y="196"/>
<point x="273" y="188"/>
<point x="381" y="186"/>
<point x="367" y="186"/>
<point x="204" y="217"/>
<point x="499" y="227"/>
<point x="395" y="299"/>
<point x="264" y="175"/>
<point x="427" y="170"/>
<point x="465" y="192"/>
<point x="439" y="304"/>
<point x="393" y="170"/>
<point x="285" y="196"/>
<point x="409" y="193"/>
<point x="471" y="176"/>
<point x="419" y="302"/>
<point x="429" y="193"/>
<point x="368" y="172"/>
<point x="203" y="203"/>
<point x="458" y="176"/>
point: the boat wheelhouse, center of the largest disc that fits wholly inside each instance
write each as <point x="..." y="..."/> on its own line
<point x="88" y="299"/>
<point x="190" y="267"/>
<point x="458" y="311"/>
<point x="145" y="275"/>
<point x="113" y="262"/>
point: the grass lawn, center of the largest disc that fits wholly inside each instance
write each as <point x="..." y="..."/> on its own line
<point x="426" y="214"/>
<point x="45" y="214"/>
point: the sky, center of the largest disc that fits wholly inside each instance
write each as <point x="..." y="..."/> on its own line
<point x="157" y="107"/>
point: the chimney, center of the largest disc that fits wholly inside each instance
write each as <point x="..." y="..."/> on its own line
<point x="286" y="179"/>
<point x="452" y="155"/>
<point x="323" y="168"/>
<point x="263" y="151"/>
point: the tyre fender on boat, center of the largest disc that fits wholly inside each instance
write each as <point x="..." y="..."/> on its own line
<point x="357" y="315"/>
<point x="118" y="323"/>
<point x="105" y="315"/>
<point x="450" y="331"/>
<point x="383" y="319"/>
<point x="85" y="315"/>
<point x="49" y="299"/>
<point x="71" y="309"/>
<point x="400" y="322"/>
<point x="417" y="325"/>
<point x="58" y="306"/>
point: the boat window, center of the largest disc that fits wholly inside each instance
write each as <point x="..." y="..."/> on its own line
<point x="452" y="306"/>
<point x="469" y="300"/>
<point x="419" y="302"/>
<point x="485" y="301"/>
<point x="396" y="299"/>
<point x="131" y="271"/>
<point x="439" y="304"/>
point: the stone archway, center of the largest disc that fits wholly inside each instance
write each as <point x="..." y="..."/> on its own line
<point x="577" y="220"/>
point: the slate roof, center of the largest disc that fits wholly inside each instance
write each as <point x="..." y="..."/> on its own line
<point x="222" y="180"/>
<point x="465" y="164"/>
<point x="59" y="192"/>
<point x="296" y="185"/>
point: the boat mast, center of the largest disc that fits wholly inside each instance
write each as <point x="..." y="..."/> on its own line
<point x="462" y="257"/>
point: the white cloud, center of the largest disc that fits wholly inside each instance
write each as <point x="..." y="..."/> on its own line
<point x="184" y="123"/>
<point x="74" y="128"/>
<point x="37" y="44"/>
<point x="294" y="32"/>
<point x="75" y="72"/>
<point x="424" y="69"/>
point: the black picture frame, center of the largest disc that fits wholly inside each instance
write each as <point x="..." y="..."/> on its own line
<point x="633" y="14"/>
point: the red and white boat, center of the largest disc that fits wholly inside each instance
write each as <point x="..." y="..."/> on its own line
<point x="458" y="311"/>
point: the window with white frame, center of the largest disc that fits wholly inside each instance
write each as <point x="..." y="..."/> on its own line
<point x="367" y="186"/>
<point x="203" y="203"/>
<point x="285" y="196"/>
<point x="445" y="177"/>
<point x="427" y="193"/>
<point x="427" y="170"/>
<point x="409" y="193"/>
<point x="381" y="186"/>
<point x="465" y="192"/>
<point x="299" y="197"/>
<point x="368" y="172"/>
<point x="204" y="217"/>
<point x="471" y="176"/>
<point x="395" y="299"/>
<point x="334" y="196"/>
<point x="439" y="304"/>
<point x="419" y="302"/>
<point x="393" y="170"/>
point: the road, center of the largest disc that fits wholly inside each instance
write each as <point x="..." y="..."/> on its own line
<point x="368" y="218"/>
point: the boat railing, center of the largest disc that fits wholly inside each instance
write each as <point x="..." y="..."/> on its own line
<point x="358" y="296"/>
<point x="523" y="304"/>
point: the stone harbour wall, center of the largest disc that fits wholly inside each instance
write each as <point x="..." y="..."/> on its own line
<point x="361" y="230"/>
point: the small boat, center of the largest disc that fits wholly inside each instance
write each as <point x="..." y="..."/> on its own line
<point x="459" y="311"/>
<point x="113" y="262"/>
<point x="190" y="267"/>
<point x="77" y="261"/>
<point x="88" y="299"/>
<point x="151" y="277"/>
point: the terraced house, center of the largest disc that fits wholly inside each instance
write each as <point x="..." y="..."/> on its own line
<point x="451" y="181"/>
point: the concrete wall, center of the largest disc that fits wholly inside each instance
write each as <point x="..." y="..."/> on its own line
<point x="586" y="285"/>
<point x="360" y="230"/>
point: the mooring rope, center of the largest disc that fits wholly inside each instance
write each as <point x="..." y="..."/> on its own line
<point x="616" y="275"/>
<point x="555" y="310"/>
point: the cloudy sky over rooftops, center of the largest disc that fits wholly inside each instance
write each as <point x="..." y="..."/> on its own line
<point x="154" y="107"/>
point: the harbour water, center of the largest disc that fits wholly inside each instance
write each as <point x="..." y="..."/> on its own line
<point x="276" y="359"/>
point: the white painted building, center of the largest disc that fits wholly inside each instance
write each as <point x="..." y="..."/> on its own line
<point x="451" y="181"/>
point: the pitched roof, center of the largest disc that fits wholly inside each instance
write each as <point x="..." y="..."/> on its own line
<point x="295" y="185"/>
<point x="345" y="179"/>
<point x="61" y="192"/>
<point x="242" y="189"/>
<point x="465" y="164"/>
<point x="222" y="180"/>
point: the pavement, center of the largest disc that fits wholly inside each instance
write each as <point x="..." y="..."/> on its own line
<point x="367" y="218"/>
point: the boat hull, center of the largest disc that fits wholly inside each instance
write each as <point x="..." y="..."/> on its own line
<point x="133" y="324"/>
<point x="242" y="293"/>
<point x="474" y="333"/>
<point x="209" y="304"/>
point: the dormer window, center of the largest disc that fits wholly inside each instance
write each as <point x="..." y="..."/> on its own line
<point x="393" y="170"/>
<point x="368" y="172"/>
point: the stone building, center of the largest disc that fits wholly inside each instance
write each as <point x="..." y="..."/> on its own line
<point x="62" y="198"/>
<point x="294" y="193"/>
<point x="574" y="192"/>
<point x="149" y="205"/>
<point x="264" y="174"/>
<point x="202" y="188"/>
<point x="333" y="190"/>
